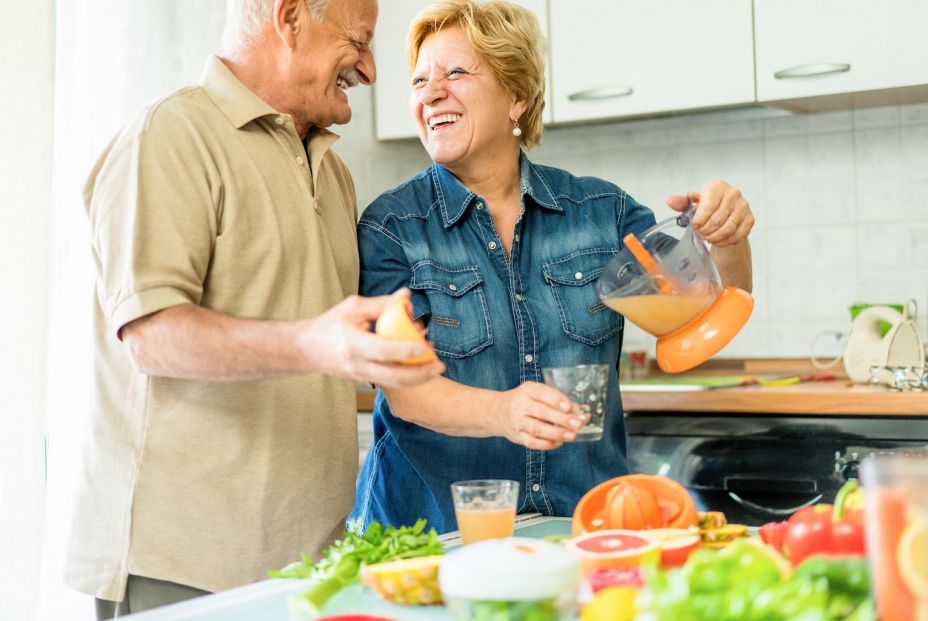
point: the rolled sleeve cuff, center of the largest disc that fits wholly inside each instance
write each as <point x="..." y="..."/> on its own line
<point x="145" y="303"/>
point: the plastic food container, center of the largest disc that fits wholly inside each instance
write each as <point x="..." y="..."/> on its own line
<point x="515" y="579"/>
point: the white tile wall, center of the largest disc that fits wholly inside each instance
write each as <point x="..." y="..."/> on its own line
<point x="840" y="198"/>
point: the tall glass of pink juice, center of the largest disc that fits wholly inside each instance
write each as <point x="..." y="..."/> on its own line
<point x="897" y="534"/>
<point x="485" y="509"/>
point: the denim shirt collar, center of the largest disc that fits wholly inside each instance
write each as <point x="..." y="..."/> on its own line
<point x="454" y="198"/>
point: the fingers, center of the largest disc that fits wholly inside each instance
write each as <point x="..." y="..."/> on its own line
<point x="399" y="376"/>
<point x="369" y="346"/>
<point x="365" y="309"/>
<point x="724" y="216"/>
<point x="678" y="202"/>
<point x="537" y="444"/>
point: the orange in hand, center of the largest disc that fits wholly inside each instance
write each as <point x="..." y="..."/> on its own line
<point x="395" y="323"/>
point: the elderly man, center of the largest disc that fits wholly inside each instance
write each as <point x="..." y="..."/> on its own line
<point x="224" y="436"/>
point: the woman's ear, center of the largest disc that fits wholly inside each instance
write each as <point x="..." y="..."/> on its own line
<point x="517" y="109"/>
<point x="288" y="20"/>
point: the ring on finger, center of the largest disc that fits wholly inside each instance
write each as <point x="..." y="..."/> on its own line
<point x="733" y="221"/>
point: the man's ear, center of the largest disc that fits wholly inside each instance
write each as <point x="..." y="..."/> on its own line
<point x="288" y="20"/>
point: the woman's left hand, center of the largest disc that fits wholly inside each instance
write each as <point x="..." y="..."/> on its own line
<point x="723" y="216"/>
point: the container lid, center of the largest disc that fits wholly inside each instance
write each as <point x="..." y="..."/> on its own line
<point x="513" y="569"/>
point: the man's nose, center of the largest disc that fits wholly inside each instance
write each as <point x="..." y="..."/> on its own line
<point x="367" y="68"/>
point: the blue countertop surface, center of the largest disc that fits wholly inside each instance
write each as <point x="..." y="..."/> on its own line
<point x="268" y="600"/>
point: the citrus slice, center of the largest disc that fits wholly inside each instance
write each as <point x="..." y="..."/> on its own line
<point x="912" y="557"/>
<point x="676" y="544"/>
<point x="614" y="549"/>
<point x="395" y="323"/>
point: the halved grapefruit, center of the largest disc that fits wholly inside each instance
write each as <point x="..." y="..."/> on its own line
<point x="614" y="549"/>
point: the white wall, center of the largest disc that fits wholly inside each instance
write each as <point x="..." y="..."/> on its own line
<point x="26" y="81"/>
<point x="840" y="200"/>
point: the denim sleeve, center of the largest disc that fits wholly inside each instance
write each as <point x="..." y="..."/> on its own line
<point x="634" y="218"/>
<point x="384" y="266"/>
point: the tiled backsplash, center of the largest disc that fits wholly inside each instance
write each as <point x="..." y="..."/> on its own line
<point x="840" y="198"/>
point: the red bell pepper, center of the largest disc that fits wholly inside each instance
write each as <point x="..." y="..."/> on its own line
<point x="773" y="533"/>
<point x="825" y="529"/>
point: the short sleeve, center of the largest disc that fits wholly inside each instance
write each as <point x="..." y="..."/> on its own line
<point x="152" y="207"/>
<point x="384" y="266"/>
<point x="634" y="217"/>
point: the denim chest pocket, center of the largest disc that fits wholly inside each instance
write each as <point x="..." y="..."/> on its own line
<point x="459" y="321"/>
<point x="572" y="281"/>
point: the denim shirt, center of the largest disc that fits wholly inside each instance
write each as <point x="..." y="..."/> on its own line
<point x="495" y="322"/>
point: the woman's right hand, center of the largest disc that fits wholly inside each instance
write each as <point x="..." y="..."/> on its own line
<point x="537" y="416"/>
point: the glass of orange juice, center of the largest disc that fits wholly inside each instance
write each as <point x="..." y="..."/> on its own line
<point x="485" y="509"/>
<point x="896" y="501"/>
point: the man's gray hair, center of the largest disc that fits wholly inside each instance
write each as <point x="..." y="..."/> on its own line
<point x="246" y="19"/>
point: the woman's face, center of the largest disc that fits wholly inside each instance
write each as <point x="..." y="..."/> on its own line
<point x="460" y="109"/>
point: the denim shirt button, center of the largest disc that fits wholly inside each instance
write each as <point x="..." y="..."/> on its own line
<point x="479" y="205"/>
<point x="529" y="358"/>
<point x="579" y="275"/>
<point x="519" y="297"/>
<point x="536" y="487"/>
<point x="516" y="237"/>
<point x="452" y="287"/>
<point x="492" y="245"/>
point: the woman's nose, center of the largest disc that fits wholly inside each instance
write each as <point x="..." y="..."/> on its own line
<point x="432" y="91"/>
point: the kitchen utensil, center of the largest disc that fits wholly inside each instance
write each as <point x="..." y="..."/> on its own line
<point x="666" y="283"/>
<point x="866" y="347"/>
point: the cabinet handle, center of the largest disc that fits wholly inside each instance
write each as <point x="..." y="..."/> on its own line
<point x="599" y="94"/>
<point x="812" y="70"/>
<point x="747" y="504"/>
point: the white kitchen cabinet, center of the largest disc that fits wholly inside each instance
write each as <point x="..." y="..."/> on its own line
<point x="825" y="47"/>
<point x="391" y="91"/>
<point x="615" y="58"/>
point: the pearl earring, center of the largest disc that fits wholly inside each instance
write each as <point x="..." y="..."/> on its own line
<point x="516" y="130"/>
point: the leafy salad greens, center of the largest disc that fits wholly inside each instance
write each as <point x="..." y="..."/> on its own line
<point x="341" y="564"/>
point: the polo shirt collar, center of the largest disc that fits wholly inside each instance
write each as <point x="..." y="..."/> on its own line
<point x="237" y="102"/>
<point x="454" y="198"/>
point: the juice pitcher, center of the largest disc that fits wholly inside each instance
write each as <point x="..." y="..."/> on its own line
<point x="666" y="283"/>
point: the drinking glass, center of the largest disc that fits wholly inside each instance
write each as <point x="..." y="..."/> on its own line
<point x="896" y="498"/>
<point x="585" y="385"/>
<point x="485" y="509"/>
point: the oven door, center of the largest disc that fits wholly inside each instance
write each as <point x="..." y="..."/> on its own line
<point x="760" y="469"/>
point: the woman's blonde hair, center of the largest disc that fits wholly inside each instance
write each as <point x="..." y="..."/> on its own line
<point x="507" y="37"/>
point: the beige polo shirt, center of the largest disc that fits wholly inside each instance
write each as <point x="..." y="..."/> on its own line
<point x="209" y="198"/>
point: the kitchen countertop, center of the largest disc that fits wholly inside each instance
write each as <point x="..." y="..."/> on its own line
<point x="834" y="397"/>
<point x="838" y="397"/>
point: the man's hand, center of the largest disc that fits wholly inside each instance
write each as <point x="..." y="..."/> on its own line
<point x="537" y="416"/>
<point x="340" y="343"/>
<point x="723" y="216"/>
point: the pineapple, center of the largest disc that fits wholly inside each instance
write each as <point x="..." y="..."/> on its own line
<point x="410" y="582"/>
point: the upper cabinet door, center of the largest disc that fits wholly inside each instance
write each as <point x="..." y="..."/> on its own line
<point x="824" y="47"/>
<point x="391" y="91"/>
<point x="622" y="57"/>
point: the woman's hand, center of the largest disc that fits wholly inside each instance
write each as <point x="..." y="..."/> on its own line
<point x="537" y="416"/>
<point x="723" y="216"/>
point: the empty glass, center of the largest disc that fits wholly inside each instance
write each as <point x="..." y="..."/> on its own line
<point x="585" y="385"/>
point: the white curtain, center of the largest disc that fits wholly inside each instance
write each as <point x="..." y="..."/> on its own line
<point x="112" y="58"/>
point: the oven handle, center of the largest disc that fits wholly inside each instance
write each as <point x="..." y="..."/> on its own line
<point x="747" y="504"/>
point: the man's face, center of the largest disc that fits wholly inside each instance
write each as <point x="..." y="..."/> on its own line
<point x="330" y="56"/>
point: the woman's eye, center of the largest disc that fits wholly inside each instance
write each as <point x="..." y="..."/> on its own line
<point x="456" y="71"/>
<point x="418" y="80"/>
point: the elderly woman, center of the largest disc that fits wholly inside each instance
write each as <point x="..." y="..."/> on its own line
<point x="481" y="239"/>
